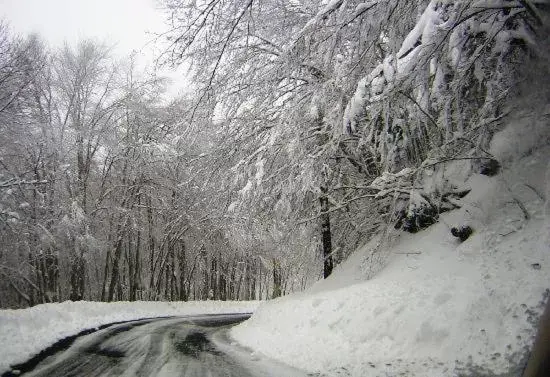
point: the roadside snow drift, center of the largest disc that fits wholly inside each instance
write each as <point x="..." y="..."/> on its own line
<point x="440" y="307"/>
<point x="25" y="332"/>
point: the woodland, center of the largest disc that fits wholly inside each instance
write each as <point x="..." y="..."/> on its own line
<point x="308" y="128"/>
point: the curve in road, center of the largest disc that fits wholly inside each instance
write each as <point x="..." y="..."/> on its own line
<point x="191" y="346"/>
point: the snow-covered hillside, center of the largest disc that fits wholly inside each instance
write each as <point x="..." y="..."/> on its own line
<point x="439" y="307"/>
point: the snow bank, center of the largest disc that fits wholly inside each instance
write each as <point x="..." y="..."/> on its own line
<point x="25" y="332"/>
<point x="440" y="307"/>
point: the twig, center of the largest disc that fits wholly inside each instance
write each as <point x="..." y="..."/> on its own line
<point x="532" y="10"/>
<point x="432" y="121"/>
<point x="522" y="207"/>
<point x="456" y="159"/>
<point x="12" y="182"/>
<point x="541" y="197"/>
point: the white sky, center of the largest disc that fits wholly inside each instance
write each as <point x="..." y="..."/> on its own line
<point x="129" y="25"/>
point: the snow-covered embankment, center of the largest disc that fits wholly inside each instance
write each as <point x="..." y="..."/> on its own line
<point x="439" y="307"/>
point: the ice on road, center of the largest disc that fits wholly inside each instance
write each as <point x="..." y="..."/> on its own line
<point x="192" y="346"/>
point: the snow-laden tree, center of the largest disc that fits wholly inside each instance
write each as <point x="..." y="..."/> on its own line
<point x="311" y="127"/>
<point x="439" y="98"/>
<point x="323" y="105"/>
<point x="281" y="73"/>
<point x="28" y="267"/>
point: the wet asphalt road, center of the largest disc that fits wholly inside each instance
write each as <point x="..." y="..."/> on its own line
<point x="191" y="346"/>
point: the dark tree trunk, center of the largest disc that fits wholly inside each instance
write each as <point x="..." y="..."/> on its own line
<point x="49" y="267"/>
<point x="77" y="278"/>
<point x="151" y="245"/>
<point x="108" y="261"/>
<point x="115" y="269"/>
<point x="106" y="276"/>
<point x="326" y="235"/>
<point x="137" y="268"/>
<point x="173" y="282"/>
<point x="246" y="279"/>
<point x="213" y="278"/>
<point x="259" y="281"/>
<point x="131" y="267"/>
<point x="277" y="279"/>
<point x="231" y="290"/>
<point x="223" y="283"/>
<point x="183" y="295"/>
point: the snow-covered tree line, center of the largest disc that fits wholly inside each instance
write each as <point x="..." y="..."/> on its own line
<point x="340" y="118"/>
<point x="106" y="192"/>
<point x="311" y="126"/>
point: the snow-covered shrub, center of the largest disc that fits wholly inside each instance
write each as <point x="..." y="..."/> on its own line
<point x="462" y="232"/>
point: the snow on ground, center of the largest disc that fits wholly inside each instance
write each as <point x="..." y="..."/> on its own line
<point x="439" y="307"/>
<point x="25" y="332"/>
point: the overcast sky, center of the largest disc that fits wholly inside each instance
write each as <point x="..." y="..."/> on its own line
<point x="128" y="24"/>
<point x="125" y="21"/>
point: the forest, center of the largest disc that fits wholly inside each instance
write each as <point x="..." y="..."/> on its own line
<point x="308" y="127"/>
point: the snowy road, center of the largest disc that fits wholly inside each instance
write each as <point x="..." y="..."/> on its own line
<point x="191" y="346"/>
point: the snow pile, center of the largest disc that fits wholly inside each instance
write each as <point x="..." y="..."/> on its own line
<point x="25" y="332"/>
<point x="440" y="307"/>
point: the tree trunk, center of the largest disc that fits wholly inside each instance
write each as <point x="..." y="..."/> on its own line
<point x="77" y="278"/>
<point x="259" y="281"/>
<point x="115" y="268"/>
<point x="181" y="266"/>
<point x="231" y="290"/>
<point x="137" y="268"/>
<point x="325" y="233"/>
<point x="213" y="275"/>
<point x="276" y="279"/>
<point x="151" y="246"/>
